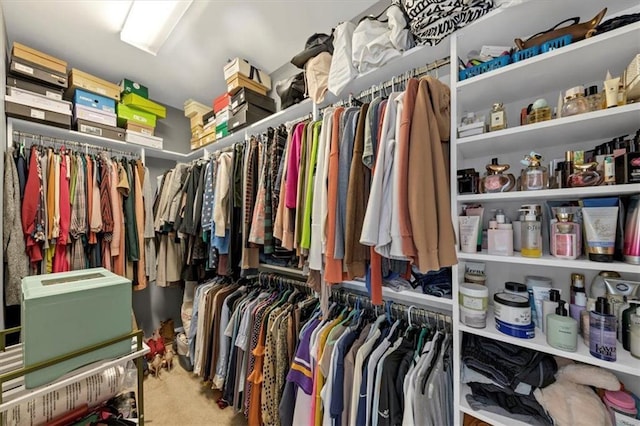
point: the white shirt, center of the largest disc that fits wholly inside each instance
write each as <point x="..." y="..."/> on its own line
<point x="362" y="353"/>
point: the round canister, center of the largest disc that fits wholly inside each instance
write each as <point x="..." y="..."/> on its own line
<point x="516" y="288"/>
<point x="619" y="403"/>
<point x="513" y="315"/>
<point x="473" y="300"/>
<point x="534" y="281"/>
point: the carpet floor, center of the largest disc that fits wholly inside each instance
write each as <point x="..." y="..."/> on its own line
<point x="178" y="397"/>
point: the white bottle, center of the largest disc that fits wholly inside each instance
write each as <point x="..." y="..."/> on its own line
<point x="500" y="236"/>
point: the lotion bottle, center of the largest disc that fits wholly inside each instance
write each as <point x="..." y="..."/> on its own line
<point x="602" y="332"/>
<point x="565" y="236"/>
<point x="562" y="330"/>
<point x="531" y="235"/>
<point x="500" y="236"/>
<point x="549" y="306"/>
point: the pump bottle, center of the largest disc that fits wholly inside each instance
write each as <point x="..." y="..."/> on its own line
<point x="531" y="235"/>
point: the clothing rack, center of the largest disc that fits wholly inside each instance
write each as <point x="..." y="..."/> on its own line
<point x="271" y="279"/>
<point x="41" y="139"/>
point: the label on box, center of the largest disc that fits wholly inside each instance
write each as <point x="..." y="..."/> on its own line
<point x="139" y="118"/>
<point x="24" y="68"/>
<point x="53" y="95"/>
<point x="35" y="113"/>
<point x="97" y="131"/>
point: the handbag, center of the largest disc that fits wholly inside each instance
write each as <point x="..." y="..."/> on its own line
<point x="431" y="21"/>
<point x="291" y="91"/>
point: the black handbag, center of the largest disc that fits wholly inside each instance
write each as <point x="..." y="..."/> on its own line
<point x="292" y="90"/>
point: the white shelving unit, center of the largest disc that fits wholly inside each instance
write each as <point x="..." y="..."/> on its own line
<point x="517" y="85"/>
<point x="407" y="297"/>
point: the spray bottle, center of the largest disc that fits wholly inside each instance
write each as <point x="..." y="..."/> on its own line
<point x="531" y="238"/>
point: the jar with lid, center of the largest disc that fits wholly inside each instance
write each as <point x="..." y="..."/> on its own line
<point x="498" y="117"/>
<point x="535" y="176"/>
<point x="594" y="99"/>
<point x="575" y="102"/>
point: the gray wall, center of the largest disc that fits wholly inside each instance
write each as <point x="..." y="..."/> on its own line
<point x="3" y="132"/>
<point x="176" y="131"/>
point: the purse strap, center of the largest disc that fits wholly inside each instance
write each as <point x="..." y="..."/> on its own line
<point x="574" y="21"/>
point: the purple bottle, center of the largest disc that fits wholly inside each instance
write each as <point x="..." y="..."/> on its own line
<point x="602" y="331"/>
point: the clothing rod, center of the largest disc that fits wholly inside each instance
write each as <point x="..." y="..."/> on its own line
<point x="49" y="139"/>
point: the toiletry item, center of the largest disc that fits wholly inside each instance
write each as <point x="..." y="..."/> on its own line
<point x="562" y="330"/>
<point x="585" y="320"/>
<point x="469" y="227"/>
<point x="584" y="175"/>
<point x="631" y="249"/>
<point x="535" y="176"/>
<point x="532" y="281"/>
<point x="516" y="288"/>
<point x="602" y="332"/>
<point x="594" y="99"/>
<point x="580" y="304"/>
<point x="513" y="315"/>
<point x="575" y="102"/>
<point x="618" y="290"/>
<point x="577" y="285"/>
<point x="540" y="294"/>
<point x="495" y="180"/>
<point x="468" y="180"/>
<point x="559" y="105"/>
<point x="477" y="210"/>
<point x="578" y="157"/>
<point x="611" y="86"/>
<point x="565" y="236"/>
<point x="609" y="177"/>
<point x="534" y="311"/>
<point x="549" y="306"/>
<point x="531" y="238"/>
<point x="600" y="228"/>
<point x="598" y="287"/>
<point x="634" y="305"/>
<point x="618" y="310"/>
<point x="498" y="117"/>
<point x="474" y="273"/>
<point x="567" y="168"/>
<point x="622" y="91"/>
<point x="473" y="300"/>
<point x="634" y="334"/>
<point x="621" y="406"/>
<point x="500" y="236"/>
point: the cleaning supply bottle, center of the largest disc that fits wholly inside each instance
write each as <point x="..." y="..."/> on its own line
<point x="531" y="235"/>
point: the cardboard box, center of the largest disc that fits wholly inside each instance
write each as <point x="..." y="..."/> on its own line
<point x="128" y="86"/>
<point x="223" y="116"/>
<point x="197" y="132"/>
<point x="140" y="128"/>
<point x="47" y="91"/>
<point x="633" y="79"/>
<point x="222" y="130"/>
<point x="36" y="115"/>
<point x="34" y="56"/>
<point x="126" y="114"/>
<point x="193" y="108"/>
<point x="91" y="100"/>
<point x="238" y="81"/>
<point x="196" y="121"/>
<point x="65" y="312"/>
<point x="195" y="143"/>
<point x="221" y="102"/>
<point x="27" y="69"/>
<point x="246" y="115"/>
<point x="35" y="100"/>
<point x="142" y="139"/>
<point x="208" y="137"/>
<point x="241" y="66"/>
<point x="96" y="129"/>
<point x="81" y="112"/>
<point x="138" y="102"/>
<point x="82" y="80"/>
<point x="208" y="118"/>
<point x="245" y="95"/>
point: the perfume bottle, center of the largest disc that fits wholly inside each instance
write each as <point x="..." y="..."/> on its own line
<point x="468" y="181"/>
<point x="495" y="180"/>
<point x="594" y="99"/>
<point x="602" y="331"/>
<point x="535" y="176"/>
<point x="585" y="175"/>
<point x="531" y="238"/>
<point x="498" y="117"/>
<point x="575" y="102"/>
<point x="565" y="236"/>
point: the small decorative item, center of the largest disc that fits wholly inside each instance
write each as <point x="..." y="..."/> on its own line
<point x="535" y="176"/>
<point x="540" y="111"/>
<point x="495" y="179"/>
<point x="585" y="175"/>
<point x="594" y="99"/>
<point x="575" y="102"/>
<point x="498" y="118"/>
<point x="468" y="181"/>
<point x="470" y="125"/>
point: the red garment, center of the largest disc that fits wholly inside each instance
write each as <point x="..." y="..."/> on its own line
<point x="60" y="260"/>
<point x="30" y="206"/>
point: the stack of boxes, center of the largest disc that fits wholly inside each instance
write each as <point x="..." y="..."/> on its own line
<point x="35" y="86"/>
<point x="138" y="114"/>
<point x="197" y="112"/>
<point x="222" y="113"/>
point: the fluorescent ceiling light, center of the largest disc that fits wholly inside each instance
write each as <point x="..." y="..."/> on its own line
<point x="149" y="23"/>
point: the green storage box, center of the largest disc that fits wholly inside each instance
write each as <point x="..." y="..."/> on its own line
<point x="222" y="130"/>
<point x="138" y="102"/>
<point x="68" y="311"/>
<point x="126" y="114"/>
<point x="128" y="86"/>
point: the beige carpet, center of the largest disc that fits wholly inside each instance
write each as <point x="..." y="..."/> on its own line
<point x="179" y="398"/>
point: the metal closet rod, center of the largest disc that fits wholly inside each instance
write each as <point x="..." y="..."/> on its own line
<point x="42" y="139"/>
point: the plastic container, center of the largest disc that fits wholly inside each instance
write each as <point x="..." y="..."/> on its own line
<point x="556" y="43"/>
<point x="620" y="404"/>
<point x="473" y="300"/>
<point x="513" y="315"/>
<point x="525" y="54"/>
<point x="491" y="65"/>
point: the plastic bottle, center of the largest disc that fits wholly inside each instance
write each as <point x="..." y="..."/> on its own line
<point x="531" y="235"/>
<point x="602" y="332"/>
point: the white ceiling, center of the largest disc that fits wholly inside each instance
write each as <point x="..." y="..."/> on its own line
<point x="87" y="35"/>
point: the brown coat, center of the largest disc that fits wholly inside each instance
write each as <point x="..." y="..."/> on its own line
<point x="428" y="178"/>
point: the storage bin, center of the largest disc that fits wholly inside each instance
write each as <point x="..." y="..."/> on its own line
<point x="556" y="43"/>
<point x="138" y="102"/>
<point x="143" y="139"/>
<point x="193" y="108"/>
<point x="241" y="66"/>
<point x="238" y="81"/>
<point x="494" y="64"/>
<point x="245" y="95"/>
<point x="82" y="80"/>
<point x="41" y="59"/>
<point x="246" y="115"/>
<point x="525" y="54"/>
<point x="91" y="100"/>
<point x="126" y="114"/>
<point x="221" y="102"/>
<point x="128" y="86"/>
<point x="222" y="130"/>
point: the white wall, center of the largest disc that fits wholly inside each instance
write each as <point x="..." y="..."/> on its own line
<point x="3" y="132"/>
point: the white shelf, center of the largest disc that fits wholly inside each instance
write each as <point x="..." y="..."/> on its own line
<point x="589" y="126"/>
<point x="486" y="416"/>
<point x="624" y="363"/>
<point x="415" y="297"/>
<point x="553" y="194"/>
<point x="559" y="69"/>
<point x="265" y="267"/>
<point x="548" y="261"/>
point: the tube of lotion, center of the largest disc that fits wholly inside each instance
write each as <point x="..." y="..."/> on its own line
<point x="600" y="229"/>
<point x="611" y="90"/>
<point x="469" y="226"/>
<point x="477" y="211"/>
